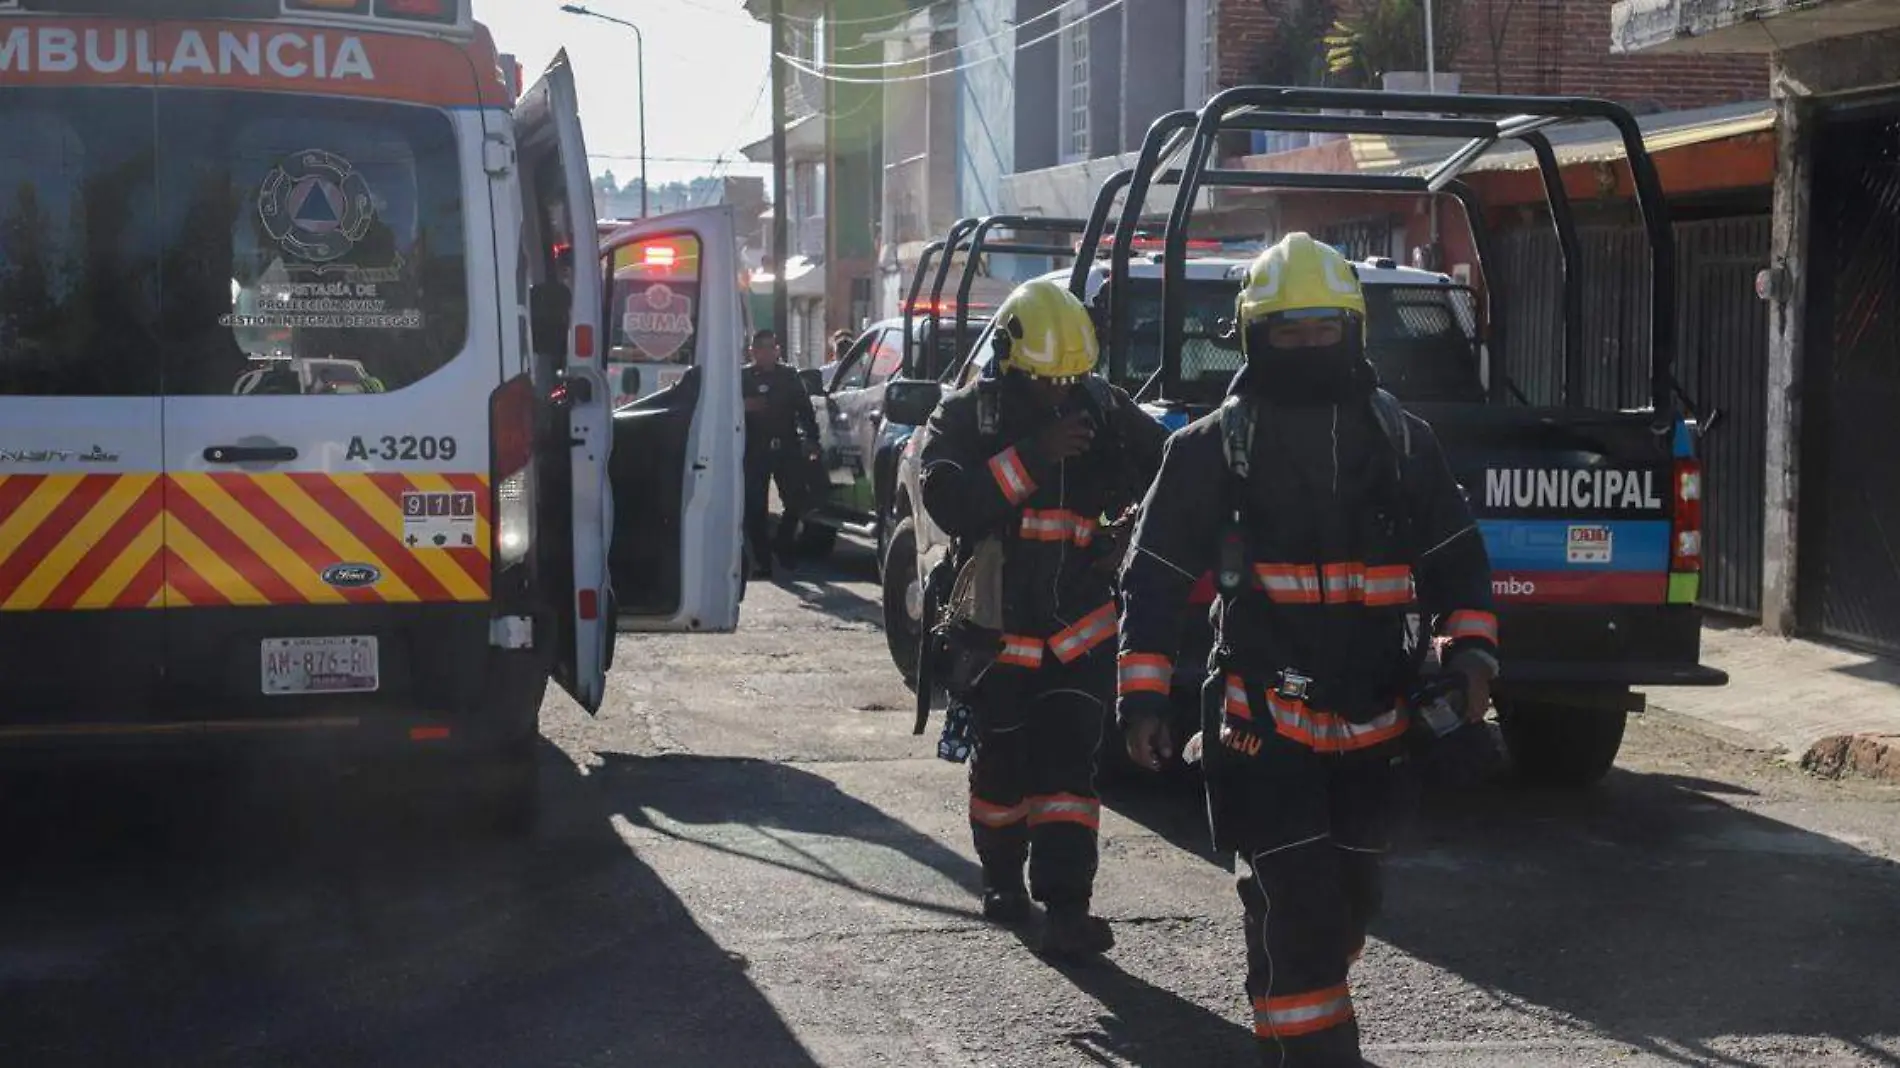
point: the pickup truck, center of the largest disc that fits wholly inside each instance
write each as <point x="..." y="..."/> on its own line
<point x="1592" y="517"/>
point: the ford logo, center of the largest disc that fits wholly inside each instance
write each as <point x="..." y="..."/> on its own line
<point x="352" y="576"/>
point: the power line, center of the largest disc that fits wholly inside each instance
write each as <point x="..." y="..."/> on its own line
<point x="724" y="165"/>
<point x="868" y="20"/>
<point x="960" y="46"/>
<point x="886" y="21"/>
<point x="794" y="63"/>
<point x="623" y="158"/>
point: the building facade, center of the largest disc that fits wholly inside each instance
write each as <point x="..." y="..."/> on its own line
<point x="1831" y="288"/>
<point x="835" y="87"/>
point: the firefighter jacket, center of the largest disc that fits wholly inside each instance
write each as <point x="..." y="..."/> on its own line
<point x="983" y="477"/>
<point x="1346" y="541"/>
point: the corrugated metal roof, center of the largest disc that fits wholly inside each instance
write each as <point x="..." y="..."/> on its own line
<point x="1575" y="142"/>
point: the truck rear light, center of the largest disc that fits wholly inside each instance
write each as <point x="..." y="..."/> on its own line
<point x="511" y="429"/>
<point x="1685" y="538"/>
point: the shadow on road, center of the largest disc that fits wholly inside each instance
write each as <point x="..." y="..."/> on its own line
<point x="680" y="797"/>
<point x="207" y="916"/>
<point x="1655" y="910"/>
<point x="833" y="585"/>
<point x="1151" y="1027"/>
<point x="1653" y="913"/>
<point x="758" y="804"/>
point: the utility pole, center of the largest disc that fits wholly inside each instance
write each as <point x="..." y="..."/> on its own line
<point x="781" y="298"/>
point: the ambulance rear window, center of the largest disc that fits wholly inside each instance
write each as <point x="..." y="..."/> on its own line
<point x="78" y="254"/>
<point x="309" y="245"/>
<point x="654" y="305"/>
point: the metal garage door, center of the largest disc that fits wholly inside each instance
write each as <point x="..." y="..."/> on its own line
<point x="1850" y="508"/>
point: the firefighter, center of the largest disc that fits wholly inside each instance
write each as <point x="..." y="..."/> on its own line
<point x="1346" y="559"/>
<point x="781" y="439"/>
<point x="1026" y="463"/>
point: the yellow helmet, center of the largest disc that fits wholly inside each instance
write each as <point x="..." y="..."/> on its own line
<point x="1298" y="274"/>
<point x="1042" y="330"/>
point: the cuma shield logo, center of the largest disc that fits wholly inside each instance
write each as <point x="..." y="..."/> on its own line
<point x="658" y="322"/>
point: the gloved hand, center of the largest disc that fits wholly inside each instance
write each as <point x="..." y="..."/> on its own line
<point x="1478" y="672"/>
<point x="1111" y="541"/>
<point x="1150" y="742"/>
<point x="1066" y="438"/>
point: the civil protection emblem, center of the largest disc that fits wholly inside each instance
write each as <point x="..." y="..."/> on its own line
<point x="315" y="205"/>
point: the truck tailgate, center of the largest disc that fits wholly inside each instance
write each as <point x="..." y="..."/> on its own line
<point x="1577" y="508"/>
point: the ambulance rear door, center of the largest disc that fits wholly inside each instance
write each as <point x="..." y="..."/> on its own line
<point x="81" y="372"/>
<point x="575" y="505"/>
<point x="329" y="357"/>
<point x="675" y="301"/>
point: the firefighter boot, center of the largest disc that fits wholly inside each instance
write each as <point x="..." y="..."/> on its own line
<point x="1072" y="933"/>
<point x="1006" y="907"/>
<point x="1005" y="899"/>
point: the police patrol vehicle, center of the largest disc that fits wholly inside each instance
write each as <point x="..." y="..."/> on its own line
<point x="303" y="428"/>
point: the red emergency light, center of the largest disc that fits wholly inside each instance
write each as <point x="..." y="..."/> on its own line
<point x="660" y="256"/>
<point x="443" y="11"/>
<point x="938" y="307"/>
<point x="1160" y="244"/>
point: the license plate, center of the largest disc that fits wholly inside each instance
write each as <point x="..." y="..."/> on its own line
<point x="320" y="665"/>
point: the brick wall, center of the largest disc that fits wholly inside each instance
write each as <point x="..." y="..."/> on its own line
<point x="1246" y="29"/>
<point x="1547" y="48"/>
<point x="1562" y="48"/>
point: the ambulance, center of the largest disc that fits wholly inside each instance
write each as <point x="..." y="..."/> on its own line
<point x="304" y="429"/>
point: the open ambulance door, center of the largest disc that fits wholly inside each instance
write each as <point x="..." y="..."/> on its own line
<point x="674" y="297"/>
<point x="572" y="496"/>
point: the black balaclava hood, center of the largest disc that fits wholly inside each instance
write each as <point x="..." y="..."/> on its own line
<point x="1333" y="374"/>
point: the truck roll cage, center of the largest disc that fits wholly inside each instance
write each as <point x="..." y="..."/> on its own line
<point x="1482" y="121"/>
<point x="973" y="237"/>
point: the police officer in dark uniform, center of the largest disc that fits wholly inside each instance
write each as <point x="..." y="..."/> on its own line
<point x="1021" y="468"/>
<point x="781" y="440"/>
<point x="1347" y="563"/>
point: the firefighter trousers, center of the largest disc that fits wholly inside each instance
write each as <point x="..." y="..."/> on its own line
<point x="1032" y="778"/>
<point x="1317" y="828"/>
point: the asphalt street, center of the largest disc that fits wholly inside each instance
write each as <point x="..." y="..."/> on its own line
<point x="747" y="859"/>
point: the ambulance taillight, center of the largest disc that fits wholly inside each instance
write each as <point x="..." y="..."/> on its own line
<point x="511" y="431"/>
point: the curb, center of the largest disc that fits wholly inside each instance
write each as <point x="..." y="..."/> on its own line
<point x="1729" y="736"/>
<point x="1863" y="756"/>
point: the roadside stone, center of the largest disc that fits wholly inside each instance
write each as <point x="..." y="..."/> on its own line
<point x="1868" y="756"/>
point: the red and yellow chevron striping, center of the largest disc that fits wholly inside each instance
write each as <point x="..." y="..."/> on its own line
<point x="70" y="541"/>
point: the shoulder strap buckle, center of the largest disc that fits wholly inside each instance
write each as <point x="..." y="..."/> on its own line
<point x="1236" y="434"/>
<point x="988" y="408"/>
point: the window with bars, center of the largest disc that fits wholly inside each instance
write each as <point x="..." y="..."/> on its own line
<point x="1075" y="39"/>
